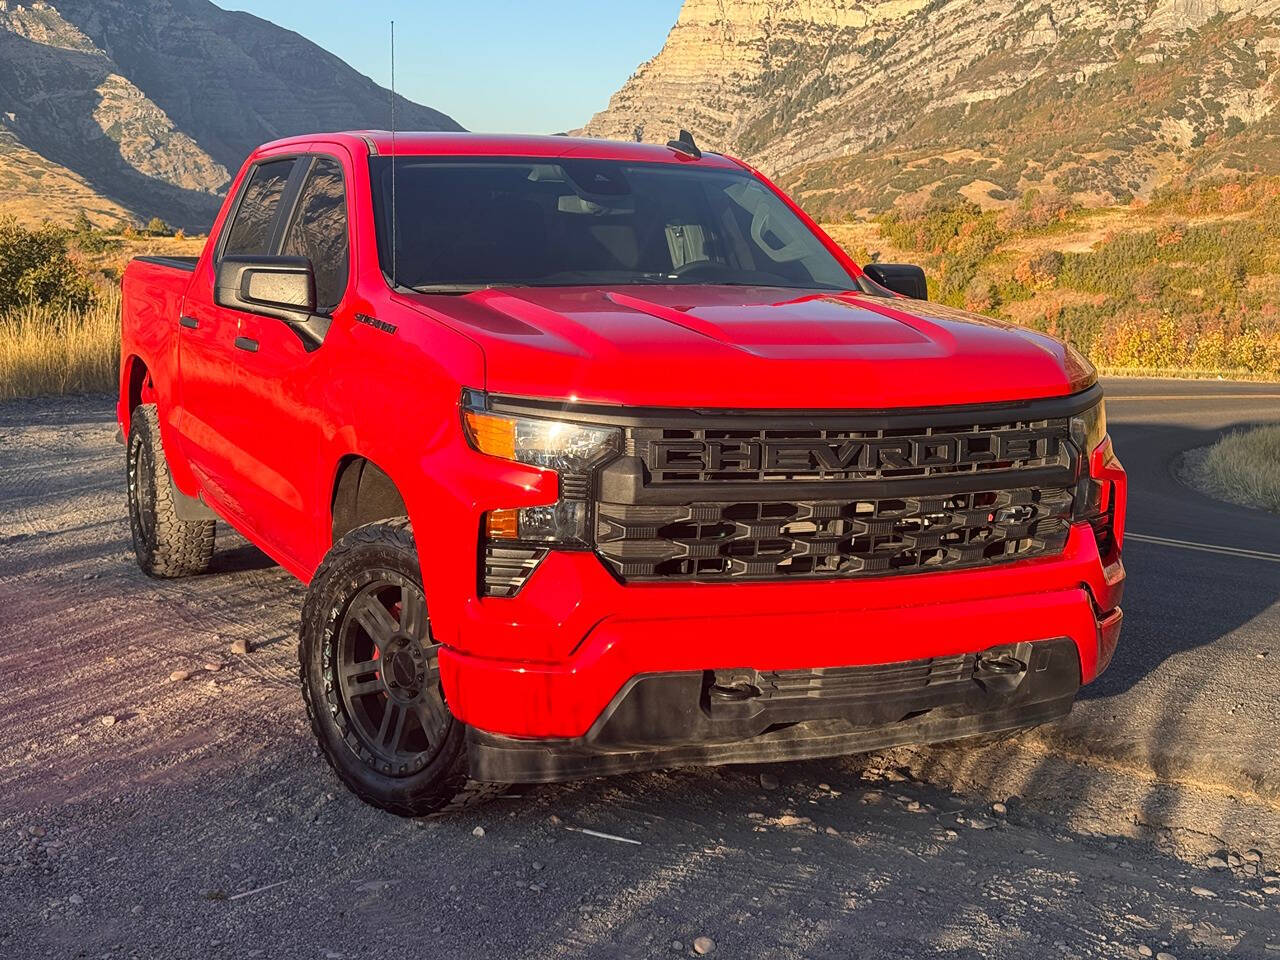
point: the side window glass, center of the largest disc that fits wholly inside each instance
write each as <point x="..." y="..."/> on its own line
<point x="319" y="231"/>
<point x="255" y="216"/>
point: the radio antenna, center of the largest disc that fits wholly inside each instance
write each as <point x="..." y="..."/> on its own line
<point x="395" y="233"/>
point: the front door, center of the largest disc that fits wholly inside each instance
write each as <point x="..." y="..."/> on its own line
<point x="285" y="376"/>
<point x="215" y="416"/>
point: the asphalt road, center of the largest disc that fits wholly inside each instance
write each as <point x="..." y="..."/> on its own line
<point x="147" y="816"/>
<point x="1194" y="689"/>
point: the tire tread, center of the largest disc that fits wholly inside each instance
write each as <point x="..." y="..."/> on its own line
<point x="180" y="548"/>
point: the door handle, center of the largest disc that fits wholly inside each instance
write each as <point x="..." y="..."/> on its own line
<point x="245" y="343"/>
<point x="189" y="322"/>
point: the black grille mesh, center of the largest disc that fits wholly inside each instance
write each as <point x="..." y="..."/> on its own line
<point x="864" y="682"/>
<point x="830" y="538"/>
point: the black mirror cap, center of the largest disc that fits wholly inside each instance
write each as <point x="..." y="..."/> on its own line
<point x="282" y="287"/>
<point x="904" y="278"/>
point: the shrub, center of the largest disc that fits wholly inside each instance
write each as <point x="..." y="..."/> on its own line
<point x="36" y="267"/>
<point x="982" y="296"/>
<point x="1243" y="467"/>
<point x="1038" y="210"/>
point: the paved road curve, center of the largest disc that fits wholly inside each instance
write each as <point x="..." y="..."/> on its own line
<point x="1195" y="687"/>
<point x="199" y="822"/>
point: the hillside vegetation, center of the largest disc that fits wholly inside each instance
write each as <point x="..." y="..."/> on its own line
<point x="60" y="305"/>
<point x="853" y="105"/>
<point x="1187" y="282"/>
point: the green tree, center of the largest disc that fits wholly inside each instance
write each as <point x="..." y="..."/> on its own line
<point x="87" y="238"/>
<point x="157" y="227"/>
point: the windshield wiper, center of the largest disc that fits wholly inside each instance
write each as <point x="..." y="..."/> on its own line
<point x="454" y="289"/>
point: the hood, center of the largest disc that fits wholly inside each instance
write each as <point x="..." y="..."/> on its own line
<point x="749" y="348"/>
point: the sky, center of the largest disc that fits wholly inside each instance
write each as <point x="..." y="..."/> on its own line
<point x="504" y="66"/>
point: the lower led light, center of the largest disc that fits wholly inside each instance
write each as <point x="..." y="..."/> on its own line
<point x="562" y="522"/>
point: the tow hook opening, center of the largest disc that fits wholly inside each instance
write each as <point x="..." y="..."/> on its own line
<point x="1000" y="664"/>
<point x="1002" y="669"/>
<point x="733" y="689"/>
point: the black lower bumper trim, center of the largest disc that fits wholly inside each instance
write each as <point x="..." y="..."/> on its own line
<point x="684" y="726"/>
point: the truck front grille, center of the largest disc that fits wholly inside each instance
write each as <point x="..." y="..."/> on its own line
<point x="782" y="495"/>
<point x="794" y="539"/>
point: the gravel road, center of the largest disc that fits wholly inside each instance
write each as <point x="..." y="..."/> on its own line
<point x="160" y="795"/>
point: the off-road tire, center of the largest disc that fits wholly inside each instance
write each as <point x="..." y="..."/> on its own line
<point x="442" y="786"/>
<point x="166" y="545"/>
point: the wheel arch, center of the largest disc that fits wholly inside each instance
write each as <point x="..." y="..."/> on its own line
<point x="136" y="387"/>
<point x="362" y="493"/>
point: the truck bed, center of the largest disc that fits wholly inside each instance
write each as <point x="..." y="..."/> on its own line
<point x="187" y="264"/>
<point x="152" y="292"/>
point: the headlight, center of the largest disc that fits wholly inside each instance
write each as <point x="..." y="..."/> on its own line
<point x="572" y="450"/>
<point x="566" y="448"/>
<point x="1088" y="432"/>
<point x="1089" y="429"/>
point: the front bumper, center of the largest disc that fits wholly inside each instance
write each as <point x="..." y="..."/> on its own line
<point x="588" y="636"/>
<point x="697" y="718"/>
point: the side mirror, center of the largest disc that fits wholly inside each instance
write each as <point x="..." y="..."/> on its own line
<point x="904" y="278"/>
<point x="283" y="287"/>
<point x="280" y="287"/>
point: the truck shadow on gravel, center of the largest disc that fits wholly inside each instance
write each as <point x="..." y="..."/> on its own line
<point x="239" y="558"/>
<point x="256" y="847"/>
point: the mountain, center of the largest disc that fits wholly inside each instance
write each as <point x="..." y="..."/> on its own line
<point x="861" y="105"/>
<point x="144" y="108"/>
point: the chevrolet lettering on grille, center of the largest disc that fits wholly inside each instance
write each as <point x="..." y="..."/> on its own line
<point x="850" y="456"/>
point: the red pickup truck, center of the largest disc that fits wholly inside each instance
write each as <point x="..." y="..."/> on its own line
<point x="603" y="457"/>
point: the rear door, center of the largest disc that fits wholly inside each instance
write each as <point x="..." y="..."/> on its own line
<point x="217" y="414"/>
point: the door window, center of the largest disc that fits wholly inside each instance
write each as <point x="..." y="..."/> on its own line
<point x="319" y="231"/>
<point x="251" y="231"/>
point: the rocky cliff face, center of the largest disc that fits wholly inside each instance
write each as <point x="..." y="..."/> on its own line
<point x="147" y="107"/>
<point x="858" y="104"/>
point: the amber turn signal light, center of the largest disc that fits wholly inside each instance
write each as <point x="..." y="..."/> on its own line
<point x="502" y="525"/>
<point x="495" y="436"/>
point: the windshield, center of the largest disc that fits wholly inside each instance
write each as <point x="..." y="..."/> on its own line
<point x="462" y="224"/>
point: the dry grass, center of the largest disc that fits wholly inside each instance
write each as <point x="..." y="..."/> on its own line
<point x="46" y="351"/>
<point x="1243" y="467"/>
<point x="1187" y="373"/>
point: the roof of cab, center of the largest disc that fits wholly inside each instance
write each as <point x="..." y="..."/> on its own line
<point x="408" y="144"/>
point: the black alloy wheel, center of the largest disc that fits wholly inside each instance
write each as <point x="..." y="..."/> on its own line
<point x="370" y="670"/>
<point x="389" y="676"/>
